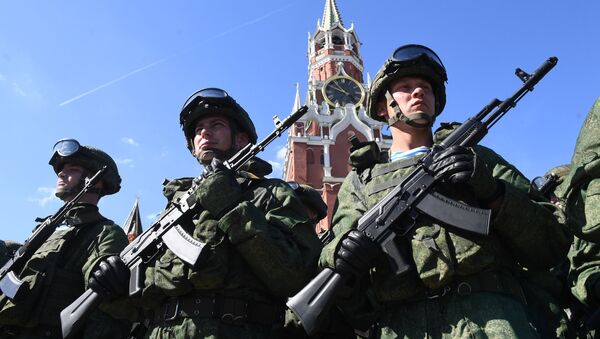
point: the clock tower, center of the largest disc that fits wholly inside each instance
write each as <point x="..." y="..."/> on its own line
<point x="317" y="146"/>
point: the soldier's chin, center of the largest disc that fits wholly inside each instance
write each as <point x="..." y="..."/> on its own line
<point x="62" y="193"/>
<point x="206" y="156"/>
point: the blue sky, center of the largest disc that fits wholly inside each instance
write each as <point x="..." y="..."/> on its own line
<point x="114" y="74"/>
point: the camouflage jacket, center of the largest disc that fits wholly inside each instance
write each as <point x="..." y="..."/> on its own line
<point x="58" y="271"/>
<point x="523" y="232"/>
<point x="269" y="252"/>
<point x="580" y="196"/>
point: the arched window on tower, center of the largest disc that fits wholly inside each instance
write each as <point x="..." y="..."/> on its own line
<point x="310" y="156"/>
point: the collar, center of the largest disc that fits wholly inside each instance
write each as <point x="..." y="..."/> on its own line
<point x="82" y="213"/>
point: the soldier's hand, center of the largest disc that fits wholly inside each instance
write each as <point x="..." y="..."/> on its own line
<point x="460" y="165"/>
<point x="356" y="254"/>
<point x="110" y="278"/>
<point x="219" y="191"/>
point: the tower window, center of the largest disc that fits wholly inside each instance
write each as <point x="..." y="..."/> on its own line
<point x="338" y="40"/>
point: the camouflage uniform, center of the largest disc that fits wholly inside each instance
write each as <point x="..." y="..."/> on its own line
<point x="580" y="197"/>
<point x="57" y="274"/>
<point x="259" y="253"/>
<point x="458" y="286"/>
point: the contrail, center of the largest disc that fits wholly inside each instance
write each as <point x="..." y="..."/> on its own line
<point x="112" y="82"/>
<point x="228" y="31"/>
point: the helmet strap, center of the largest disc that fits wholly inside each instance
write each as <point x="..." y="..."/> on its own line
<point x="409" y="120"/>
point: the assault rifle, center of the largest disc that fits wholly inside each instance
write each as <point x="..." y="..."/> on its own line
<point x="166" y="231"/>
<point x="10" y="284"/>
<point x="413" y="196"/>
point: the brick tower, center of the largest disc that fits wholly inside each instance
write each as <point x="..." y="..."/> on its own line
<point x="318" y="146"/>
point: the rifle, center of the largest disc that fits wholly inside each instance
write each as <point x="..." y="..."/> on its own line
<point x="10" y="284"/>
<point x="413" y="196"/>
<point x="166" y="231"/>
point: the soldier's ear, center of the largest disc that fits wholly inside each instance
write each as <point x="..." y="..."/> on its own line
<point x="382" y="109"/>
<point x="241" y="139"/>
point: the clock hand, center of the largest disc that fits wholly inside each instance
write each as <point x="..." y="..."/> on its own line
<point x="341" y="89"/>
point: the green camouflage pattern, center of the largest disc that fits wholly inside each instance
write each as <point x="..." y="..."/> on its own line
<point x="524" y="221"/>
<point x="57" y="273"/>
<point x="580" y="195"/>
<point x="263" y="250"/>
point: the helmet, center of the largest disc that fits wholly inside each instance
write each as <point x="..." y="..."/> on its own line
<point x="409" y="60"/>
<point x="311" y="198"/>
<point x="69" y="151"/>
<point x="213" y="101"/>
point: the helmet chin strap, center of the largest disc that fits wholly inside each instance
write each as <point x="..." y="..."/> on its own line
<point x="71" y="192"/>
<point x="410" y="120"/>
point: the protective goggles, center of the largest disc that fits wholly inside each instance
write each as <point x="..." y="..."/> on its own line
<point x="294" y="185"/>
<point x="546" y="183"/>
<point x="408" y="54"/>
<point x="66" y="147"/>
<point x="214" y="96"/>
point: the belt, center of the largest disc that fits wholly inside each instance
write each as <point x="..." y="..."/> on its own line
<point x="230" y="311"/>
<point x="38" y="331"/>
<point x="492" y="281"/>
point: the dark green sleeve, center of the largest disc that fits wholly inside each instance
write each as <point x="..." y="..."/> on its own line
<point x="349" y="208"/>
<point x="584" y="271"/>
<point x="273" y="234"/>
<point x="111" y="240"/>
<point x="528" y="225"/>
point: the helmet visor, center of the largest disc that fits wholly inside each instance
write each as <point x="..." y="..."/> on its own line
<point x="408" y="54"/>
<point x="212" y="95"/>
<point x="66" y="147"/>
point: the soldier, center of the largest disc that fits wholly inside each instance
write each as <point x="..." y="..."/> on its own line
<point x="547" y="291"/>
<point x="459" y="285"/>
<point x="56" y="274"/>
<point x="260" y="243"/>
<point x="579" y="196"/>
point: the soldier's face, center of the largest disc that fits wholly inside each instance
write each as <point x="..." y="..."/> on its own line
<point x="68" y="178"/>
<point x="213" y="138"/>
<point x="413" y="95"/>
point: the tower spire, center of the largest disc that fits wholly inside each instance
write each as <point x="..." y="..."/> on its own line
<point x="133" y="224"/>
<point x="297" y="104"/>
<point x="331" y="15"/>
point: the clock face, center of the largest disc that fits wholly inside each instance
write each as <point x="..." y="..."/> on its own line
<point x="342" y="90"/>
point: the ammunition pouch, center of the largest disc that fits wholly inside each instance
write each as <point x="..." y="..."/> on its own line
<point x="231" y="311"/>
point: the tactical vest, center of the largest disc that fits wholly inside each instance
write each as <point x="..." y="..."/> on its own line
<point x="52" y="277"/>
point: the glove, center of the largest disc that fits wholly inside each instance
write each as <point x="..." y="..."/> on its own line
<point x="110" y="278"/>
<point x="356" y="254"/>
<point x="219" y="190"/>
<point x="459" y="165"/>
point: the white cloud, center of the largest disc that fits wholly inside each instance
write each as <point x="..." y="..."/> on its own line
<point x="46" y="196"/>
<point x="17" y="88"/>
<point x="125" y="162"/>
<point x="281" y="153"/>
<point x="129" y="141"/>
<point x="153" y="216"/>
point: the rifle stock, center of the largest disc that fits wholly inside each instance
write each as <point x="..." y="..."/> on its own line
<point x="412" y="196"/>
<point x="167" y="231"/>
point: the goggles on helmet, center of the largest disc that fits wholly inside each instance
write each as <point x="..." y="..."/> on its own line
<point x="408" y="54"/>
<point x="66" y="147"/>
<point x="206" y="95"/>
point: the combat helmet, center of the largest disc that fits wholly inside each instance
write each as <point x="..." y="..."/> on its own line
<point x="213" y="101"/>
<point x="408" y="60"/>
<point x="93" y="159"/>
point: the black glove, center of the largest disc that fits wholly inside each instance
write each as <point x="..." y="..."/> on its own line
<point x="110" y="278"/>
<point x="459" y="165"/>
<point x="356" y="254"/>
<point x="219" y="190"/>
